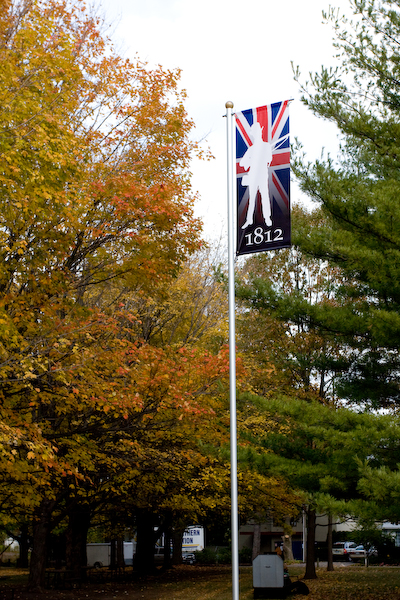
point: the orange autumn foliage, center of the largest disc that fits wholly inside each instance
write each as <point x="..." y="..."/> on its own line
<point x="94" y="187"/>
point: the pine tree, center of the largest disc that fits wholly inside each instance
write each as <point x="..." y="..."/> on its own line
<point x="356" y="223"/>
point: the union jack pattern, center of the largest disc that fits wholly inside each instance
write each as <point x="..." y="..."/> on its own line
<point x="260" y="231"/>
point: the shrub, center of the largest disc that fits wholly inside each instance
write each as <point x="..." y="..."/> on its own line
<point x="245" y="555"/>
<point x="221" y="556"/>
<point x="213" y="556"/>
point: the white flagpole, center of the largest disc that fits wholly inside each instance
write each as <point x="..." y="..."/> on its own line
<point x="232" y="356"/>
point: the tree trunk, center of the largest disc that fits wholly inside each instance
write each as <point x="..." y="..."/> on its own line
<point x="76" y="537"/>
<point x="177" y="537"/>
<point x="167" y="563"/>
<point x="41" y="530"/>
<point x="23" y="540"/>
<point x="310" y="554"/>
<point x="329" y="540"/>
<point x="120" y="553"/>
<point x="256" y="541"/>
<point x="145" y="543"/>
<point x="113" y="553"/>
<point x="287" y="547"/>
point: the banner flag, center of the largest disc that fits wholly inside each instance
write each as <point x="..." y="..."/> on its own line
<point x="263" y="178"/>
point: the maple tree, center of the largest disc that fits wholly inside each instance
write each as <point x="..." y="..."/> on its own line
<point x="147" y="462"/>
<point x="187" y="478"/>
<point x="114" y="201"/>
<point x="112" y="368"/>
<point x="129" y="448"/>
<point x="194" y="309"/>
<point x="177" y="473"/>
<point x="94" y="188"/>
<point x="186" y="322"/>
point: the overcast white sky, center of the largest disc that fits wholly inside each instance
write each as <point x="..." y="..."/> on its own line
<point x="239" y="51"/>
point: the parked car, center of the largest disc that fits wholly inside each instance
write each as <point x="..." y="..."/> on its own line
<point x="359" y="553"/>
<point x="188" y="558"/>
<point x="340" y="550"/>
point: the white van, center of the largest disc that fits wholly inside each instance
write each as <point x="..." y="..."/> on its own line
<point x="99" y="555"/>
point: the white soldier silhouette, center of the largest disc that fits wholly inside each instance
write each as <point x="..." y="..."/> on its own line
<point x="257" y="159"/>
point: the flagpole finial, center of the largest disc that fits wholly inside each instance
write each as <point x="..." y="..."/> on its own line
<point x="229" y="104"/>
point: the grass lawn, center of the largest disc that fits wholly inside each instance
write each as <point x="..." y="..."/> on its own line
<point x="353" y="582"/>
<point x="356" y="583"/>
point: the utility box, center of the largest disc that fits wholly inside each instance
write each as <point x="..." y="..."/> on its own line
<point x="268" y="576"/>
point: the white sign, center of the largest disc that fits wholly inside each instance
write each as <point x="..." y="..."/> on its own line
<point x="193" y="539"/>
